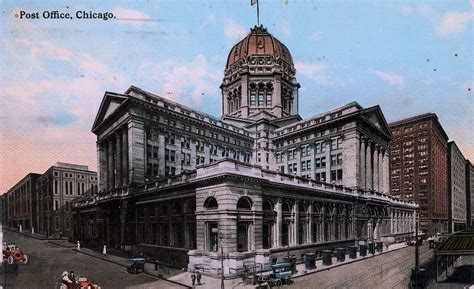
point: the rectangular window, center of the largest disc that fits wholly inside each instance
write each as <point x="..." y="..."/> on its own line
<point x="336" y="159"/>
<point x="212" y="237"/>
<point x="320" y="162"/>
<point x="336" y="175"/>
<point x="321" y="176"/>
<point x="320" y="147"/>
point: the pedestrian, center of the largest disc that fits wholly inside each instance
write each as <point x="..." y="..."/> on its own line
<point x="198" y="277"/>
<point x="72" y="276"/>
<point x="193" y="279"/>
<point x="78" y="245"/>
<point x="104" y="251"/>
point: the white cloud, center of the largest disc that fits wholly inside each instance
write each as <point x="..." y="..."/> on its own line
<point x="316" y="36"/>
<point x="285" y="28"/>
<point x="312" y="70"/>
<point x="133" y="17"/>
<point x="428" y="81"/>
<point x="188" y="82"/>
<point x="453" y="23"/>
<point x="234" y="31"/>
<point x="391" y="78"/>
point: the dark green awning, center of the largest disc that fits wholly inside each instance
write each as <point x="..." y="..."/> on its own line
<point x="461" y="243"/>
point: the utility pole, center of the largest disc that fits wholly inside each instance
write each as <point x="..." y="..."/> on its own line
<point x="222" y="263"/>
<point x="416" y="248"/>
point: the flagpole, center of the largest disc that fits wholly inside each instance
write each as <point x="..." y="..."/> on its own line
<point x="258" y="15"/>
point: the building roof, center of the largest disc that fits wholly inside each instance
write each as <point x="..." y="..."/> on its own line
<point x="417" y="118"/>
<point x="461" y="243"/>
<point x="259" y="42"/>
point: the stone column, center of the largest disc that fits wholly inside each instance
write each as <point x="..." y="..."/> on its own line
<point x="381" y="174"/>
<point x="125" y="157"/>
<point x="391" y="222"/>
<point x="386" y="173"/>
<point x="279" y="223"/>
<point x="110" y="167"/>
<point x="103" y="164"/>
<point x="244" y="106"/>
<point x="296" y="225"/>
<point x="276" y="97"/>
<point x="368" y="166"/>
<point x="118" y="161"/>
<point x="363" y="180"/>
<point x="376" y="168"/>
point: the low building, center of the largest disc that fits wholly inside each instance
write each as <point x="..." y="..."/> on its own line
<point x="3" y="209"/>
<point x="21" y="210"/>
<point x="456" y="188"/>
<point x="56" y="189"/>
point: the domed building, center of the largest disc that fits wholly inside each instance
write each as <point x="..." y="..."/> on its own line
<point x="259" y="80"/>
<point x="246" y="189"/>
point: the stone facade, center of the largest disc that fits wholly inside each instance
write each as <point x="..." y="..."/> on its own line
<point x="56" y="189"/>
<point x="457" y="188"/>
<point x="470" y="193"/>
<point x="418" y="168"/>
<point x="20" y="203"/>
<point x="189" y="188"/>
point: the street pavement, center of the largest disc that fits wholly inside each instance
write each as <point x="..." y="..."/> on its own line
<point x="47" y="261"/>
<point x="389" y="270"/>
<point x="49" y="258"/>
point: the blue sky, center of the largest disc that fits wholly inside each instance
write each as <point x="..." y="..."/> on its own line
<point x="410" y="57"/>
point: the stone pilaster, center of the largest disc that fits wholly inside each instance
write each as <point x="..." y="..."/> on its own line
<point x="136" y="152"/>
<point x="350" y="160"/>
<point x="296" y="224"/>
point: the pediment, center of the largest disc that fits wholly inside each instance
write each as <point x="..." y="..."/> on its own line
<point x="110" y="103"/>
<point x="375" y="116"/>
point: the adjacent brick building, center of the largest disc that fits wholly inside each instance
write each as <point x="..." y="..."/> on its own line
<point x="418" y="168"/>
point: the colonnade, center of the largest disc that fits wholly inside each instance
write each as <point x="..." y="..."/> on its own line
<point x="113" y="160"/>
<point x="374" y="166"/>
<point x="310" y="222"/>
<point x="402" y="221"/>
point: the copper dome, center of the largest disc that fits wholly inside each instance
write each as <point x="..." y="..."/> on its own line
<point x="259" y="42"/>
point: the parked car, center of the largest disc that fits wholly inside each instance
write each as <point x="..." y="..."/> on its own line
<point x="80" y="283"/>
<point x="136" y="266"/>
<point x="281" y="274"/>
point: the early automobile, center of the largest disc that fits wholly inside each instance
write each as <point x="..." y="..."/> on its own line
<point x="136" y="266"/>
<point x="13" y="254"/>
<point x="80" y="283"/>
<point x="281" y="274"/>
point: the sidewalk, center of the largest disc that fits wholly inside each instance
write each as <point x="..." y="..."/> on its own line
<point x="213" y="282"/>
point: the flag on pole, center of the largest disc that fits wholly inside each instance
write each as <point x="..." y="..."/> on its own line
<point x="253" y="2"/>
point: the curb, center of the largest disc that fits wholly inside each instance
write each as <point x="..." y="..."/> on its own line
<point x="346" y="263"/>
<point x="118" y="264"/>
<point x="91" y="255"/>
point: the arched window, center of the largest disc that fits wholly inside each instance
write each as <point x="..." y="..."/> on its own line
<point x="210" y="203"/>
<point x="267" y="206"/>
<point x="244" y="203"/>
<point x="285" y="207"/>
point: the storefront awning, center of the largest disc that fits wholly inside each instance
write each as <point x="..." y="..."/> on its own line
<point x="461" y="243"/>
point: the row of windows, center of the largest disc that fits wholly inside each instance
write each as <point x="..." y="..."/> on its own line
<point x="319" y="147"/>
